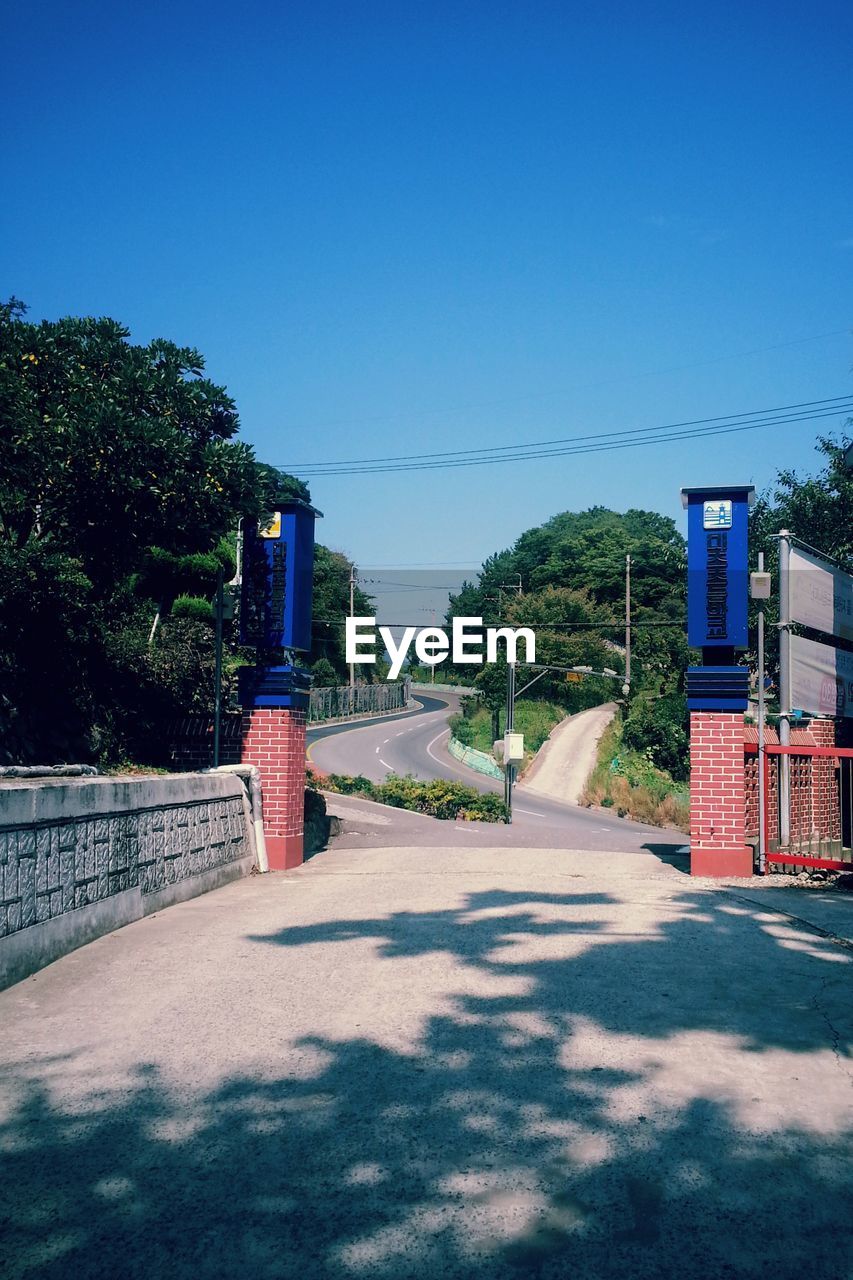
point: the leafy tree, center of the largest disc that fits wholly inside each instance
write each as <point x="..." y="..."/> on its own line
<point x="331" y="605"/>
<point x="119" y="479"/>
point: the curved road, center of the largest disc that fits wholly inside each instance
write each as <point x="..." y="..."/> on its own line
<point x="415" y="742"/>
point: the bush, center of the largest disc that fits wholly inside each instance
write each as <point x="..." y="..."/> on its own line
<point x="324" y="675"/>
<point x="440" y="798"/>
<point x="659" y="729"/>
<point x="462" y="730"/>
<point x="195" y="607"/>
<point x="634" y="786"/>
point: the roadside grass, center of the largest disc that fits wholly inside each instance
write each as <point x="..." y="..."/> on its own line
<point x="628" y="782"/>
<point x="439" y="799"/>
<point x="473" y="728"/>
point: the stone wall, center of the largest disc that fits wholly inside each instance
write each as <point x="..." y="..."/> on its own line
<point x="79" y="857"/>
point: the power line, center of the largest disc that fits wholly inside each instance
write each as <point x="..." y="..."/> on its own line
<point x="589" y="449"/>
<point x="618" y="624"/>
<point x="560" y="440"/>
<point x="550" y="395"/>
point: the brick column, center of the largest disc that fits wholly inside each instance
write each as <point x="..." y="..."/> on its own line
<point x="825" y="800"/>
<point x="717" y="799"/>
<point x="274" y="740"/>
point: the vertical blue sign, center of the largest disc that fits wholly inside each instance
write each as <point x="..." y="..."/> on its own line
<point x="278" y="569"/>
<point x="717" y="565"/>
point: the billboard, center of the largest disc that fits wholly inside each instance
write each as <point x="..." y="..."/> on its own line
<point x="821" y="678"/>
<point x="717" y="570"/>
<point x="821" y="596"/>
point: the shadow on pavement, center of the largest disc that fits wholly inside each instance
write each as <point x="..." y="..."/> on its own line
<point x="673" y="855"/>
<point x="547" y="1130"/>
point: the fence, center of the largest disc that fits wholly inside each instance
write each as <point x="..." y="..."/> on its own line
<point x="343" y="702"/>
<point x="821" y="804"/>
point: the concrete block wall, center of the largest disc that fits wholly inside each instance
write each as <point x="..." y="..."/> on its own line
<point x="79" y="857"/>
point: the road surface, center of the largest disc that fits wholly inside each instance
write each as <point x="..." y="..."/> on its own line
<point x="415" y="743"/>
<point x="436" y="1064"/>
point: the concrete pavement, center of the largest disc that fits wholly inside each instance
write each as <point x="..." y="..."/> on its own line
<point x="437" y="1062"/>
<point x="563" y="763"/>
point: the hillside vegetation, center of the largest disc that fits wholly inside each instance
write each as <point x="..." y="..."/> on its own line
<point x="566" y="579"/>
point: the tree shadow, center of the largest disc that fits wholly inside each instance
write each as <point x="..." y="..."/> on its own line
<point x="673" y="855"/>
<point x="571" y="1111"/>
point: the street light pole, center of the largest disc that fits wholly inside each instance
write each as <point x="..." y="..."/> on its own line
<point x="352" y="615"/>
<point x="628" y="624"/>
<point x="762" y="759"/>
<point x="217" y="668"/>
<point x="509" y="769"/>
<point x="784" y="686"/>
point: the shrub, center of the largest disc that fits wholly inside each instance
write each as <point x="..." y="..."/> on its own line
<point x="195" y="607"/>
<point x="440" y="798"/>
<point x="659" y="728"/>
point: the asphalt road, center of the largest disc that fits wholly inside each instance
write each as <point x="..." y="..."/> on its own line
<point x="415" y="743"/>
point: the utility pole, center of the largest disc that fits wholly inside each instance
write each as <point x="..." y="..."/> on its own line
<point x="217" y="669"/>
<point x="627" y="625"/>
<point x="762" y="759"/>
<point x="509" y="769"/>
<point x="784" y="686"/>
<point x="352" y="615"/>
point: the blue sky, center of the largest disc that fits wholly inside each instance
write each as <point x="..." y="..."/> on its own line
<point x="399" y="227"/>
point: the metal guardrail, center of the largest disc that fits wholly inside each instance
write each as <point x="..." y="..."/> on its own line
<point x="342" y="702"/>
<point x="427" y="686"/>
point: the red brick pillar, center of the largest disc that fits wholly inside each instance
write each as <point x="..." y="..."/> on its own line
<point x="274" y="740"/>
<point x="825" y="805"/>
<point x="717" y="796"/>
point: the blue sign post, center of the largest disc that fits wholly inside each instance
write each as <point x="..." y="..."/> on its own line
<point x="275" y="606"/>
<point x="717" y="594"/>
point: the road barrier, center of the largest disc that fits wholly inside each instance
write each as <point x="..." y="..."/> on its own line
<point x="345" y="703"/>
<point x="479" y="761"/>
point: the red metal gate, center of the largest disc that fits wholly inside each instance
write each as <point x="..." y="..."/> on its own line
<point x="821" y="805"/>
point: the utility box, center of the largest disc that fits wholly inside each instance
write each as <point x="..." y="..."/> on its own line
<point x="759" y="586"/>
<point x="513" y="748"/>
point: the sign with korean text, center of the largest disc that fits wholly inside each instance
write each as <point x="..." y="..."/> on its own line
<point x="821" y="678"/>
<point x="717" y="569"/>
<point x="276" y="595"/>
<point x="821" y="595"/>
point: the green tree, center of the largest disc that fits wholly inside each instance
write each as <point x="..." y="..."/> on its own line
<point x="119" y="478"/>
<point x="331" y="606"/>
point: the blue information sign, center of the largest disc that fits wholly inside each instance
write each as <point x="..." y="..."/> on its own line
<point x="278" y="569"/>
<point x="717" y="565"/>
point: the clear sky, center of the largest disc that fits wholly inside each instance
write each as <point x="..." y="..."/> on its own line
<point x="411" y="227"/>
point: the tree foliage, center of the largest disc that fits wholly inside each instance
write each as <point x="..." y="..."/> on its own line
<point x="121" y="483"/>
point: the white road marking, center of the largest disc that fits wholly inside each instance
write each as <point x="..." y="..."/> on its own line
<point x="387" y="740"/>
<point x="378" y="749"/>
<point x="430" y="745"/>
<point x="532" y="812"/>
<point x="387" y="765"/>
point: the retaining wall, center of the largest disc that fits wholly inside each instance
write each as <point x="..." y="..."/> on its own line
<point x="477" y="760"/>
<point x="80" y="857"/>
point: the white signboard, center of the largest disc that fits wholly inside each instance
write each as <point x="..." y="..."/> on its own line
<point x="821" y="678"/>
<point x="717" y="515"/>
<point x="821" y="596"/>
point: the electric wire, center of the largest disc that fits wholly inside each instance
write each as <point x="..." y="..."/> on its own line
<point x="609" y="442"/>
